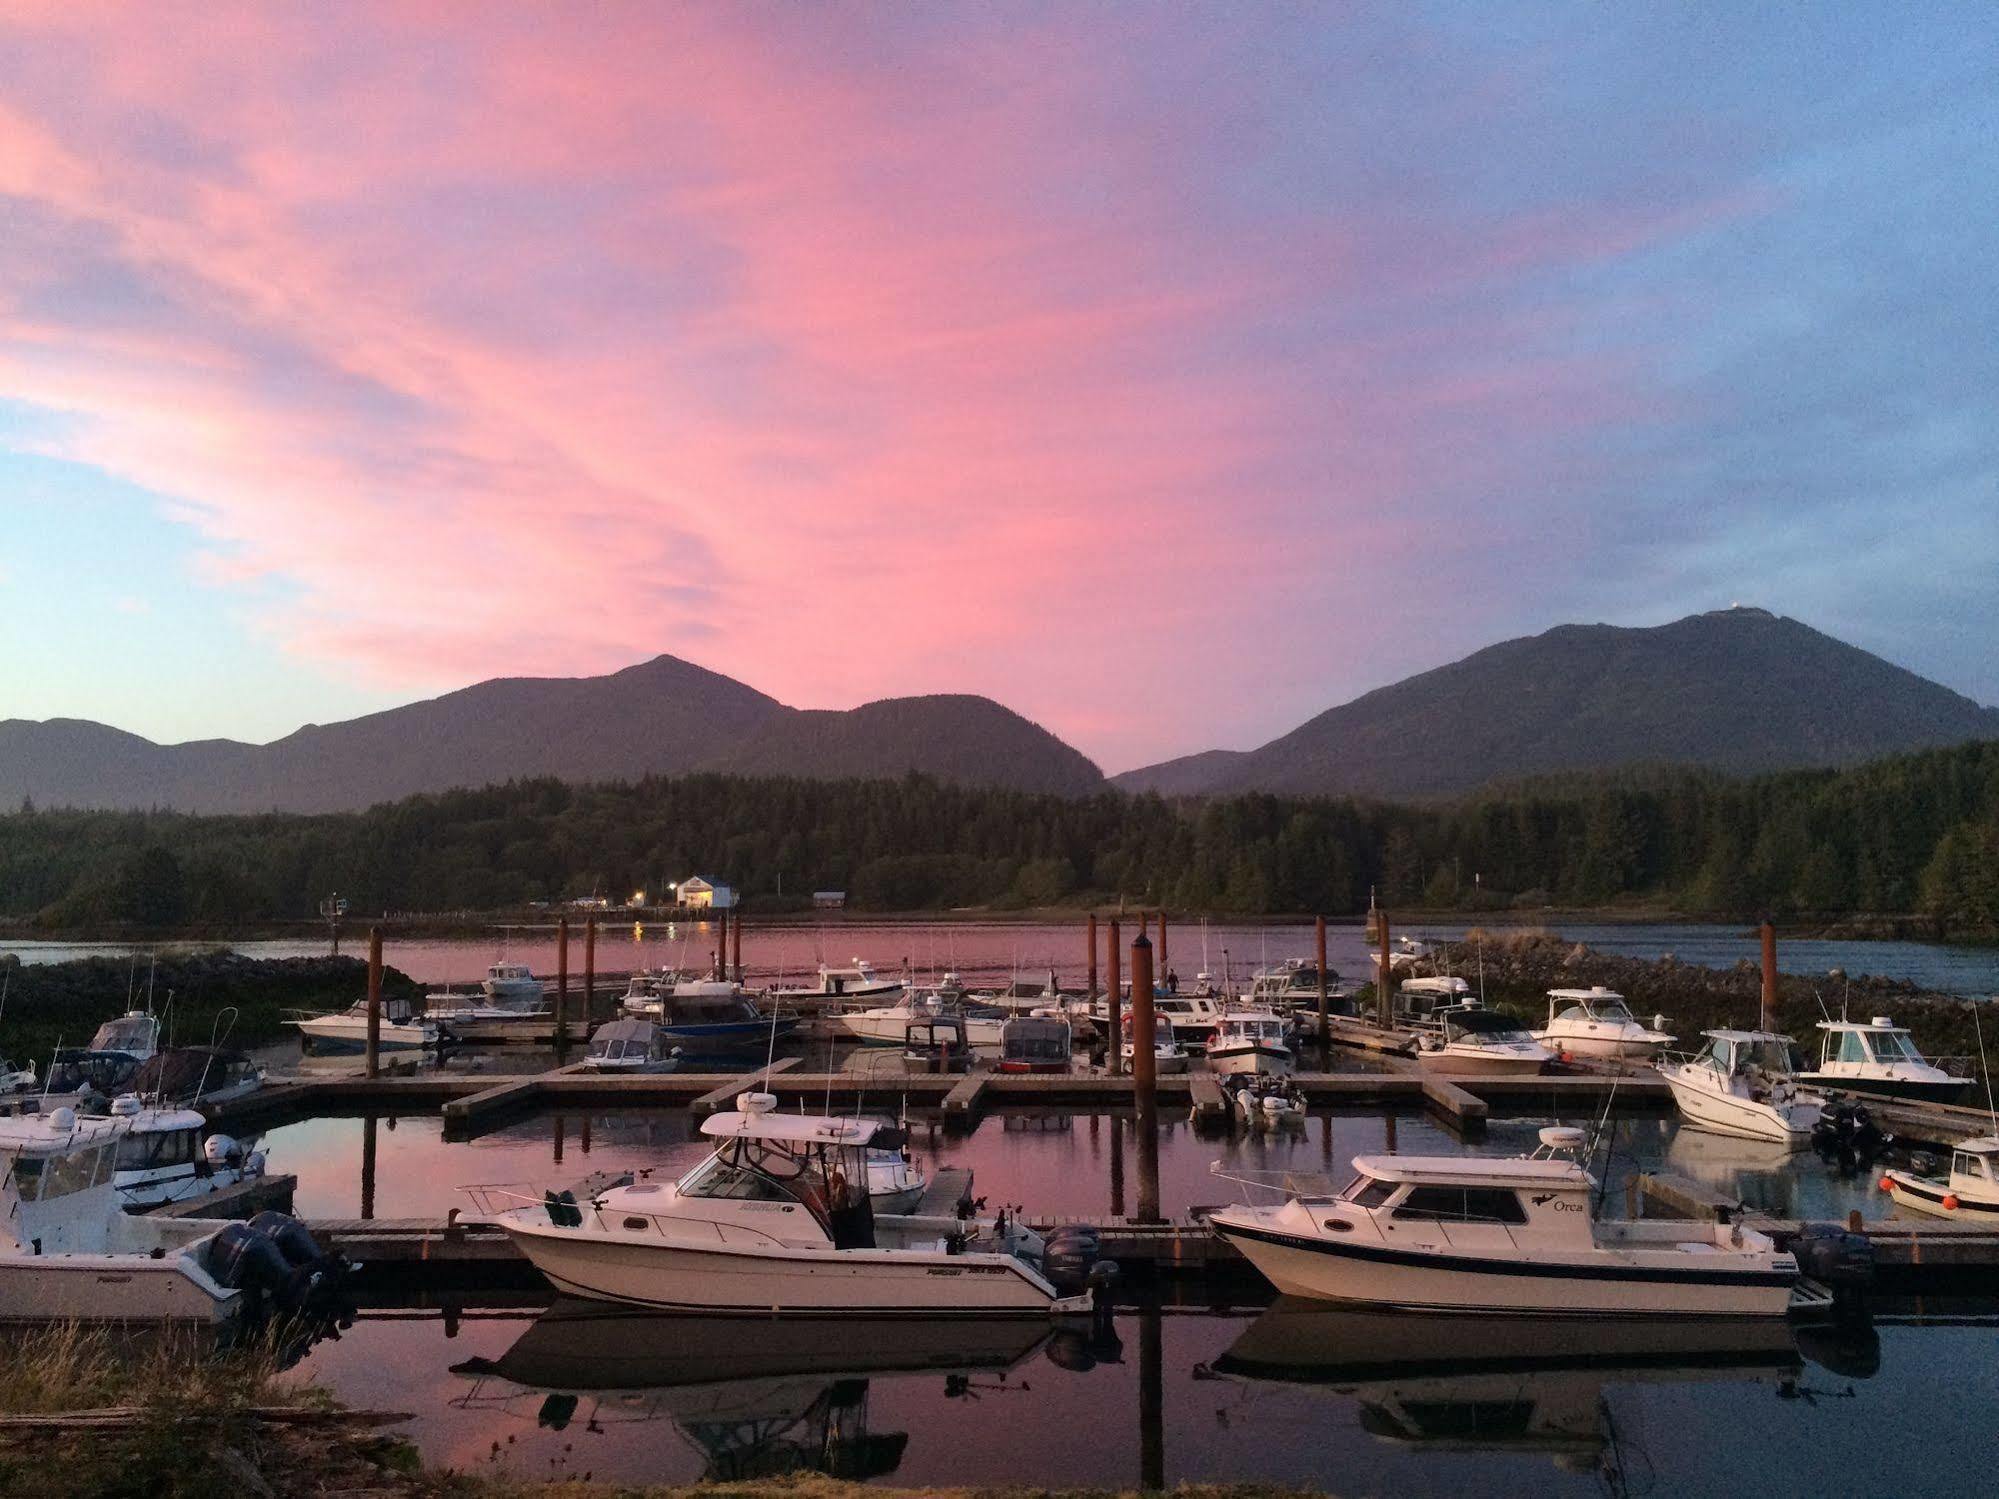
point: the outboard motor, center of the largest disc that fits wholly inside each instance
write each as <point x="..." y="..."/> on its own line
<point x="1847" y="1136"/>
<point x="1838" y="1258"/>
<point x="276" y="1258"/>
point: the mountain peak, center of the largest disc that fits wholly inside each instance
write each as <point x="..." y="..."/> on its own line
<point x="1702" y="690"/>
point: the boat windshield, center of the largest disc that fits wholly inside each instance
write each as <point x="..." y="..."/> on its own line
<point x="1368" y="1191"/>
<point x="1483" y="1028"/>
<point x="1770" y="1053"/>
<point x="39" y="1178"/>
<point x="1895" y="1046"/>
<point x="129" y="1033"/>
<point x="747" y="1169"/>
<point x="154" y="1150"/>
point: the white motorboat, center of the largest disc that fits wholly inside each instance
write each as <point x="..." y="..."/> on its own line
<point x="134" y="1034"/>
<point x="1168" y="1055"/>
<point x="69" y="1251"/>
<point x="1468" y="1040"/>
<point x="192" y="1076"/>
<point x="1743" y="1083"/>
<point x="1970" y="1191"/>
<point x="895" y="1182"/>
<point x="1194" y="1015"/>
<point x="1418" y="1000"/>
<point x="1472" y="1234"/>
<point x="857" y="982"/>
<point x="630" y="1045"/>
<point x="17" y="1080"/>
<point x="888" y="1025"/>
<point x="1880" y="1058"/>
<point x="513" y="986"/>
<point x="1292" y="987"/>
<point x="347" y="1030"/>
<point x="778" y="1219"/>
<point x="1597" y="1023"/>
<point x="168" y="1155"/>
<point x="1251" y="1041"/>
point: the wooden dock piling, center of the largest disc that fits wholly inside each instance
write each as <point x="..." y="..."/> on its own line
<point x="1145" y="1079"/>
<point x="1114" y="1005"/>
<point x="1767" y="1004"/>
<point x="1325" y="1000"/>
<point x="374" y="1001"/>
<point x="1384" y="1007"/>
<point x="589" y="975"/>
<point x="736" y="945"/>
<point x="1090" y="991"/>
<point x="561" y="984"/>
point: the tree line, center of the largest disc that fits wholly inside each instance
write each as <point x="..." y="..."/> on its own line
<point x="1915" y="834"/>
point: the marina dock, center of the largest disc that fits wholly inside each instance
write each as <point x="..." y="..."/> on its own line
<point x="469" y="1101"/>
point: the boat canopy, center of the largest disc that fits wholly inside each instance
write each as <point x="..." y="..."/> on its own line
<point x="800" y="1129"/>
<point x="56" y="1133"/>
<point x="134" y="1032"/>
<point x="1474" y="1170"/>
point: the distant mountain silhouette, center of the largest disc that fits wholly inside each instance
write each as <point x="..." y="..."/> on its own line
<point x="664" y="716"/>
<point x="1738" y="690"/>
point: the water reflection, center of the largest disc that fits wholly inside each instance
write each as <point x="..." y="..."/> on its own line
<point x="753" y="1397"/>
<point x="1503" y="1384"/>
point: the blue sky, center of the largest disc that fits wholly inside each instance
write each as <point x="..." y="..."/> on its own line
<point x="1168" y="373"/>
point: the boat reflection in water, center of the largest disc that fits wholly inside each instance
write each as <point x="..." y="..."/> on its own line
<point x="754" y="1396"/>
<point x="1446" y="1383"/>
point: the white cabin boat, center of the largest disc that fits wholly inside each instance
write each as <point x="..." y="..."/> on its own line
<point x="134" y="1034"/>
<point x="1291" y="987"/>
<point x="68" y="1249"/>
<point x="1742" y="1083"/>
<point x="17" y="1080"/>
<point x="1879" y="1057"/>
<point x="888" y="1025"/>
<point x="779" y="1220"/>
<point x="168" y="1155"/>
<point x="1168" y="1055"/>
<point x="1468" y="1040"/>
<point x="895" y="1182"/>
<point x="630" y="1045"/>
<point x="1970" y="1191"/>
<point x="513" y="986"/>
<point x="857" y="982"/>
<point x="1194" y="1014"/>
<point x="1471" y="1234"/>
<point x="1251" y="1041"/>
<point x="347" y="1030"/>
<point x="1597" y="1023"/>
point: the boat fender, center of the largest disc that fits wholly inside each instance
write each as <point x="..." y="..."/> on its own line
<point x="1950" y="1202"/>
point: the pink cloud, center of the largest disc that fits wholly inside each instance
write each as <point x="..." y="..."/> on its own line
<point x="846" y="363"/>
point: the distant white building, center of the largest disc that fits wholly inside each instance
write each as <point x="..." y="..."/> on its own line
<point x="705" y="894"/>
<point x="829" y="900"/>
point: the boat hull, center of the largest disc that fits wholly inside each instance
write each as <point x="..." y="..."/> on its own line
<point x="109" y="1289"/>
<point x="1603" y="1048"/>
<point x="754" y="1281"/>
<point x="731" y="1038"/>
<point x="1250" y="1061"/>
<point x="1469" y="1064"/>
<point x="1921" y="1195"/>
<point x="1744" y="1118"/>
<point x="330" y="1034"/>
<point x="1599" y="1286"/>
<point x="1951" y="1090"/>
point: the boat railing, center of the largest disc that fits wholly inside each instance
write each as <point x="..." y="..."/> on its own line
<point x="1301" y="1184"/>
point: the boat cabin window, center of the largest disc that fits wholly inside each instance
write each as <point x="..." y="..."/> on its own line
<point x="1369" y="1191"/>
<point x="1966" y="1164"/>
<point x="746" y="1170"/>
<point x="39" y="1178"/>
<point x="1895" y="1046"/>
<point x="155" y="1150"/>
<point x="1851" y="1047"/>
<point x="1463" y="1205"/>
<point x="1483" y="1026"/>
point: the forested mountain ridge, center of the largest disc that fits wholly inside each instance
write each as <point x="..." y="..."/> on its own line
<point x="1911" y="834"/>
<point x="1738" y="690"/>
<point x="662" y="717"/>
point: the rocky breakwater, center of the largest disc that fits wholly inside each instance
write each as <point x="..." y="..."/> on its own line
<point x="1519" y="968"/>
<point x="51" y="1003"/>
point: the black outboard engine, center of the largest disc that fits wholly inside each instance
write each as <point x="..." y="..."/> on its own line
<point x="276" y="1258"/>
<point x="1068" y="1255"/>
<point x="1837" y="1258"/>
<point x="1847" y="1136"/>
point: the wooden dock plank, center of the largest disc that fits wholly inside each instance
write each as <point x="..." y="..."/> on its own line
<point x="1209" y="1102"/>
<point x="960" y="1101"/>
<point x="713" y="1100"/>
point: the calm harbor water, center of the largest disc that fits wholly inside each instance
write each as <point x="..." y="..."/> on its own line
<point x="1353" y="1403"/>
<point x="983" y="951"/>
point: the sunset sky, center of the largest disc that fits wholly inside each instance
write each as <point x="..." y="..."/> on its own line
<point x="1168" y="372"/>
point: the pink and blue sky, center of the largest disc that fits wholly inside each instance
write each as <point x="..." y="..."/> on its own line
<point x="1168" y="372"/>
